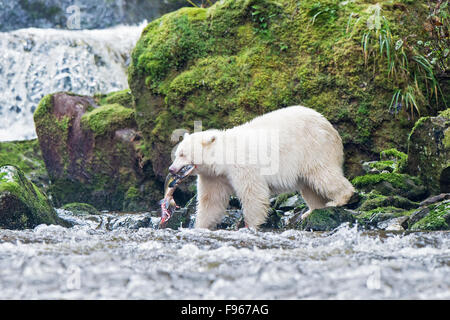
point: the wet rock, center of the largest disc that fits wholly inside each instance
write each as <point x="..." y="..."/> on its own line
<point x="326" y="219"/>
<point x="92" y="153"/>
<point x="429" y="152"/>
<point x="434" y="199"/>
<point x="378" y="167"/>
<point x="232" y="220"/>
<point x="290" y="203"/>
<point x="181" y="218"/>
<point x="387" y="201"/>
<point x="435" y="217"/>
<point x="418" y="215"/>
<point x="80" y="208"/>
<point x="275" y="219"/>
<point x="22" y="204"/>
<point x="376" y="218"/>
<point x="393" y="224"/>
<point x="132" y="221"/>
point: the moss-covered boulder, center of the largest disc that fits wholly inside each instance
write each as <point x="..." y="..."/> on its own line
<point x="80" y="208"/>
<point x="392" y="184"/>
<point x="92" y="151"/>
<point x="376" y="218"/>
<point x="22" y="204"/>
<point x="27" y="156"/>
<point x="433" y="217"/>
<point x="429" y="152"/>
<point x="238" y="59"/>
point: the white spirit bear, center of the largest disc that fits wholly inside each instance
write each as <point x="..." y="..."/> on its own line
<point x="290" y="149"/>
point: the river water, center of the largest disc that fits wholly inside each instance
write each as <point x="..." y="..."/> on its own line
<point x="110" y="257"/>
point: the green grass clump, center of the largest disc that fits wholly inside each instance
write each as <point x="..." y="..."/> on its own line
<point x="123" y="97"/>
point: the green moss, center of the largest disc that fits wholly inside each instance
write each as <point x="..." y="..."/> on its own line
<point x="446" y="140"/>
<point x="396" y="179"/>
<point x="445" y="113"/>
<point x="25" y="155"/>
<point x="80" y="208"/>
<point x="417" y="125"/>
<point x="400" y="158"/>
<point x="282" y="198"/>
<point x="123" y="97"/>
<point x="391" y="201"/>
<point x="326" y="219"/>
<point x="44" y="107"/>
<point x="132" y="193"/>
<point x="23" y="205"/>
<point x="108" y="118"/>
<point x="388" y="165"/>
<point x="437" y="219"/>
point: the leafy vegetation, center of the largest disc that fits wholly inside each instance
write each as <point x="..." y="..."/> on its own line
<point x="412" y="71"/>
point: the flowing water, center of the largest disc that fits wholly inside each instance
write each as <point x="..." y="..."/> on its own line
<point x="112" y="256"/>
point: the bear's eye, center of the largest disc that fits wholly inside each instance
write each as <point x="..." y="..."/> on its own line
<point x="181" y="154"/>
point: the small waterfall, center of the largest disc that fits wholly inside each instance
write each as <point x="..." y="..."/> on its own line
<point x="35" y="62"/>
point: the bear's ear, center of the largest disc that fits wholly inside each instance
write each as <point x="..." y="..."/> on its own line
<point x="208" y="140"/>
<point x="186" y="134"/>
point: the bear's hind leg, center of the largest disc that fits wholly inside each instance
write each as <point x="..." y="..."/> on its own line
<point x="312" y="199"/>
<point x="213" y="195"/>
<point x="340" y="193"/>
<point x="335" y="186"/>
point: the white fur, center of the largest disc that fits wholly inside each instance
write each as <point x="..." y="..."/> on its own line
<point x="308" y="159"/>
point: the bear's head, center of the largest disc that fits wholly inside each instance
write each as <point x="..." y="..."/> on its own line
<point x="199" y="149"/>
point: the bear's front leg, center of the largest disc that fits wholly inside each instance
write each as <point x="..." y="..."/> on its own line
<point x="253" y="192"/>
<point x="213" y="195"/>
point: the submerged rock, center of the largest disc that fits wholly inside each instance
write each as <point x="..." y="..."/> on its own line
<point x="22" y="204"/>
<point x="429" y="152"/>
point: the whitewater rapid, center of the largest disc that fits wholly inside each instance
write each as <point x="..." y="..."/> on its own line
<point x="120" y="256"/>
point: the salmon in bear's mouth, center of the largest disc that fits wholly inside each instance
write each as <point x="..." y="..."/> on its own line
<point x="168" y="204"/>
